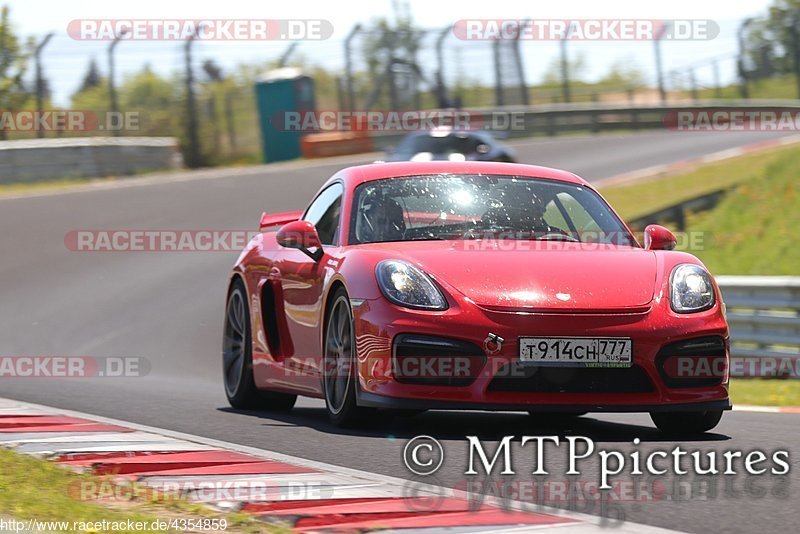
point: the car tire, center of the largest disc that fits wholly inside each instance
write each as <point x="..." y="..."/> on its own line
<point x="237" y="359"/>
<point x="686" y="422"/>
<point x="339" y="375"/>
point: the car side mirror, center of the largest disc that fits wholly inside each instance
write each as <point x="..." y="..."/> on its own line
<point x="301" y="235"/>
<point x="657" y="237"/>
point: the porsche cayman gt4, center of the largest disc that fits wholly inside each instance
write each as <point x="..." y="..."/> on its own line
<point x="471" y="285"/>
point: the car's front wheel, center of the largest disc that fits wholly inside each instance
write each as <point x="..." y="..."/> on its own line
<point x="237" y="359"/>
<point x="686" y="422"/>
<point x="340" y="376"/>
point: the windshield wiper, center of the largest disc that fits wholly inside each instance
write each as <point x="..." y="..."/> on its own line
<point x="557" y="237"/>
<point x="426" y="238"/>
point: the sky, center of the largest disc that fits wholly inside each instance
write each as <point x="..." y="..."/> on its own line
<point x="65" y="60"/>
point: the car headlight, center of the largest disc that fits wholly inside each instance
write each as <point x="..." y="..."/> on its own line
<point x="406" y="285"/>
<point x="691" y="289"/>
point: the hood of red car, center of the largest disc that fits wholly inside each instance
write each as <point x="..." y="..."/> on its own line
<point x="558" y="277"/>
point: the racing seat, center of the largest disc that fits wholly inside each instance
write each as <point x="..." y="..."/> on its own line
<point x="382" y="219"/>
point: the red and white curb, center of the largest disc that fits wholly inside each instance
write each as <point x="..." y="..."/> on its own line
<point x="308" y="495"/>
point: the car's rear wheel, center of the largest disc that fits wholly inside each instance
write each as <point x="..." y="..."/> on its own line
<point x="686" y="422"/>
<point x="340" y="376"/>
<point x="237" y="359"/>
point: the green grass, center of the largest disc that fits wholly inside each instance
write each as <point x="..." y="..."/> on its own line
<point x="48" y="185"/>
<point x="31" y="488"/>
<point x="753" y="228"/>
<point x="646" y="196"/>
<point x="777" y="88"/>
<point x="763" y="392"/>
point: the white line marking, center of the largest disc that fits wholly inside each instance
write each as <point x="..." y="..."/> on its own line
<point x="687" y="164"/>
<point x="761" y="409"/>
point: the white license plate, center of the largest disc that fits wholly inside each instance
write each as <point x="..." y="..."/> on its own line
<point x="577" y="351"/>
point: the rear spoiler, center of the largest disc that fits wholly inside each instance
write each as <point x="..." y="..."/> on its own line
<point x="269" y="220"/>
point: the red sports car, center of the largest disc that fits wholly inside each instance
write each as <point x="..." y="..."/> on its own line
<point x="467" y="285"/>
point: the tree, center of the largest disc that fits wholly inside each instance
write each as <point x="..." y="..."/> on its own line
<point x="771" y="42"/>
<point x="13" y="64"/>
<point x="624" y="74"/>
<point x="212" y="70"/>
<point x="576" y="65"/>
<point x="153" y="98"/>
<point x="91" y="78"/>
<point x="386" y="45"/>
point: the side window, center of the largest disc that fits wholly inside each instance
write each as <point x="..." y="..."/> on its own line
<point x="324" y="213"/>
<point x="581" y="218"/>
<point x="553" y="216"/>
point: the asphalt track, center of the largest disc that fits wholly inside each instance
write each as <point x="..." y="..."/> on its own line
<point x="167" y="307"/>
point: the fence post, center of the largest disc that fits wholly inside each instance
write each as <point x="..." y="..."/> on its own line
<point x="498" y="80"/>
<point x="348" y="67"/>
<point x="37" y="57"/>
<point x="743" y="88"/>
<point x="193" y="158"/>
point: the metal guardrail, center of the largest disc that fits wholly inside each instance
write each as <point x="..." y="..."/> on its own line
<point x="554" y="119"/>
<point x="35" y="160"/>
<point x="676" y="213"/>
<point x="764" y="318"/>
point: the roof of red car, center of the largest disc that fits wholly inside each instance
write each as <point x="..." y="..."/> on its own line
<point x="354" y="176"/>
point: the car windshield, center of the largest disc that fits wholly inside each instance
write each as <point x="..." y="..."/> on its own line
<point x="481" y="206"/>
<point x="454" y="143"/>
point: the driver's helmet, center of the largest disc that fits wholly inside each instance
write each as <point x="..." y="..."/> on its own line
<point x="382" y="220"/>
<point x="529" y="205"/>
<point x="535" y="206"/>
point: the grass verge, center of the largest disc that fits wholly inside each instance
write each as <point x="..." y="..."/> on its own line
<point x="49" y="185"/>
<point x="32" y="488"/>
<point x="765" y="392"/>
<point x="648" y="195"/>
<point x="751" y="230"/>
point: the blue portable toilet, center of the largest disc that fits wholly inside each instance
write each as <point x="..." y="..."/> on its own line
<point x="278" y="92"/>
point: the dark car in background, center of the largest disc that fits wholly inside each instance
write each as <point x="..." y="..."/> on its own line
<point x="452" y="145"/>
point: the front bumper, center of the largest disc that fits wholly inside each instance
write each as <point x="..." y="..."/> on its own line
<point x="379" y="323"/>
<point x="393" y="403"/>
